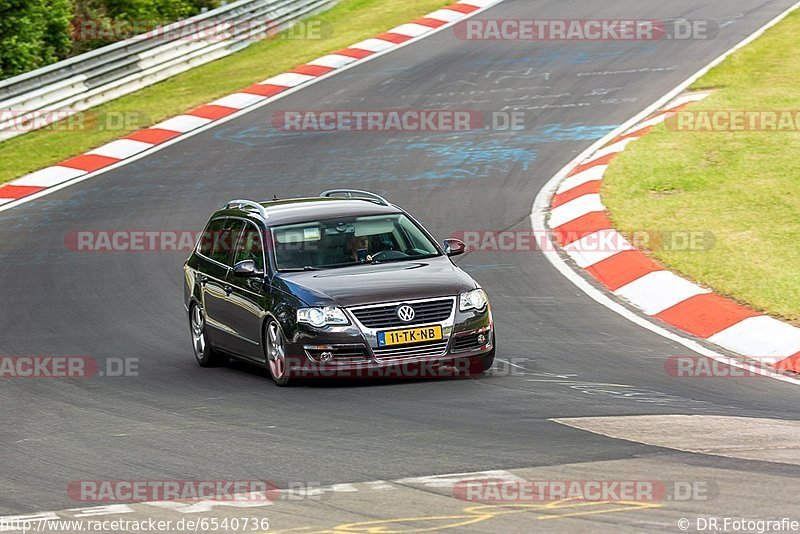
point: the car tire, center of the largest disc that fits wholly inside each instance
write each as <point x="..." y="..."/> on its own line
<point x="275" y="353"/>
<point x="204" y="352"/>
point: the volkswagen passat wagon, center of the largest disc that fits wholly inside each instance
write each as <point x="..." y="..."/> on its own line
<point x="345" y="284"/>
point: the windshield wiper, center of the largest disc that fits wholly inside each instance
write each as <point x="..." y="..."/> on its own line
<point x="395" y="260"/>
<point x="299" y="269"/>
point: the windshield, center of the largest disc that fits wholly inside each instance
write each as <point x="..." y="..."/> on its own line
<point x="349" y="241"/>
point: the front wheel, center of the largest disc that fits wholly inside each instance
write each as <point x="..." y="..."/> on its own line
<point x="276" y="354"/>
<point x="204" y="352"/>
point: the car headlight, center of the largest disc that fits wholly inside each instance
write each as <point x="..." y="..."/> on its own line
<point x="321" y="316"/>
<point x="472" y="300"/>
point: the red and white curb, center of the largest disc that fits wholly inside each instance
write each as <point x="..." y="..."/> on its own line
<point x="579" y="223"/>
<point x="137" y="143"/>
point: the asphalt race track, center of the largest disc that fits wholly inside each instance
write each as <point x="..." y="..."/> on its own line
<point x="572" y="358"/>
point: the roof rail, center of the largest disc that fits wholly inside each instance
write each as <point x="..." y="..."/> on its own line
<point x="356" y="193"/>
<point x="245" y="204"/>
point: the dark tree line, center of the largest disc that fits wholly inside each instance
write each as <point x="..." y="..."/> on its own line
<point x="35" y="33"/>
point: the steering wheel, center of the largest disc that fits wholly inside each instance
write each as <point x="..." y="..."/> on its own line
<point x="388" y="255"/>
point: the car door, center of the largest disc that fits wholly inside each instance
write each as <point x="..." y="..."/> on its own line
<point x="249" y="297"/>
<point x="223" y="235"/>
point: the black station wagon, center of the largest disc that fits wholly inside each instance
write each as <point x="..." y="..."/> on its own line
<point x="345" y="284"/>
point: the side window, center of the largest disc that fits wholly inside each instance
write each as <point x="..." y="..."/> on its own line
<point x="224" y="240"/>
<point x="206" y="244"/>
<point x="250" y="247"/>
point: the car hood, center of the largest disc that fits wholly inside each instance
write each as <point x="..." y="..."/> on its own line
<point x="372" y="284"/>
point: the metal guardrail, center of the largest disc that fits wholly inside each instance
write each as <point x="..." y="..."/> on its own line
<point x="38" y="98"/>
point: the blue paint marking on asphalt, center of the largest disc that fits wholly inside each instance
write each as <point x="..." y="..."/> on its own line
<point x="474" y="154"/>
<point x="255" y="135"/>
<point x="471" y="159"/>
<point x="262" y="135"/>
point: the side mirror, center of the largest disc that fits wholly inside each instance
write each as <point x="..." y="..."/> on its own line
<point x="246" y="269"/>
<point x="454" y="247"/>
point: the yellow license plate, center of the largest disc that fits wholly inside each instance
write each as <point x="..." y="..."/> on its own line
<point x="410" y="335"/>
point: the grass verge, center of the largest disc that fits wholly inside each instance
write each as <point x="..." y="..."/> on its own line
<point x="744" y="187"/>
<point x="351" y="20"/>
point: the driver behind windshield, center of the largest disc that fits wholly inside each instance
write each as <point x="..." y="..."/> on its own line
<point x="354" y="250"/>
<point x="358" y="248"/>
<point x="368" y="239"/>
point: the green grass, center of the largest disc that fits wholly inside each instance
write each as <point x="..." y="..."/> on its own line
<point x="743" y="186"/>
<point x="351" y="21"/>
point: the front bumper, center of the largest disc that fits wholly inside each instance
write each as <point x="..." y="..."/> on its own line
<point x="353" y="350"/>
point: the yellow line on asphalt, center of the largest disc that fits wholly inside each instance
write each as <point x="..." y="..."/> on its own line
<point x="477" y="514"/>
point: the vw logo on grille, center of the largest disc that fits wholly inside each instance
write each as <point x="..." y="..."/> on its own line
<point x="406" y="313"/>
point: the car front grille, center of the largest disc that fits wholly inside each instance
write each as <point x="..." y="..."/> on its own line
<point x="411" y="351"/>
<point x="429" y="311"/>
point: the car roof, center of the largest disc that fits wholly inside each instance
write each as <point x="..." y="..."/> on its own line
<point x="298" y="210"/>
